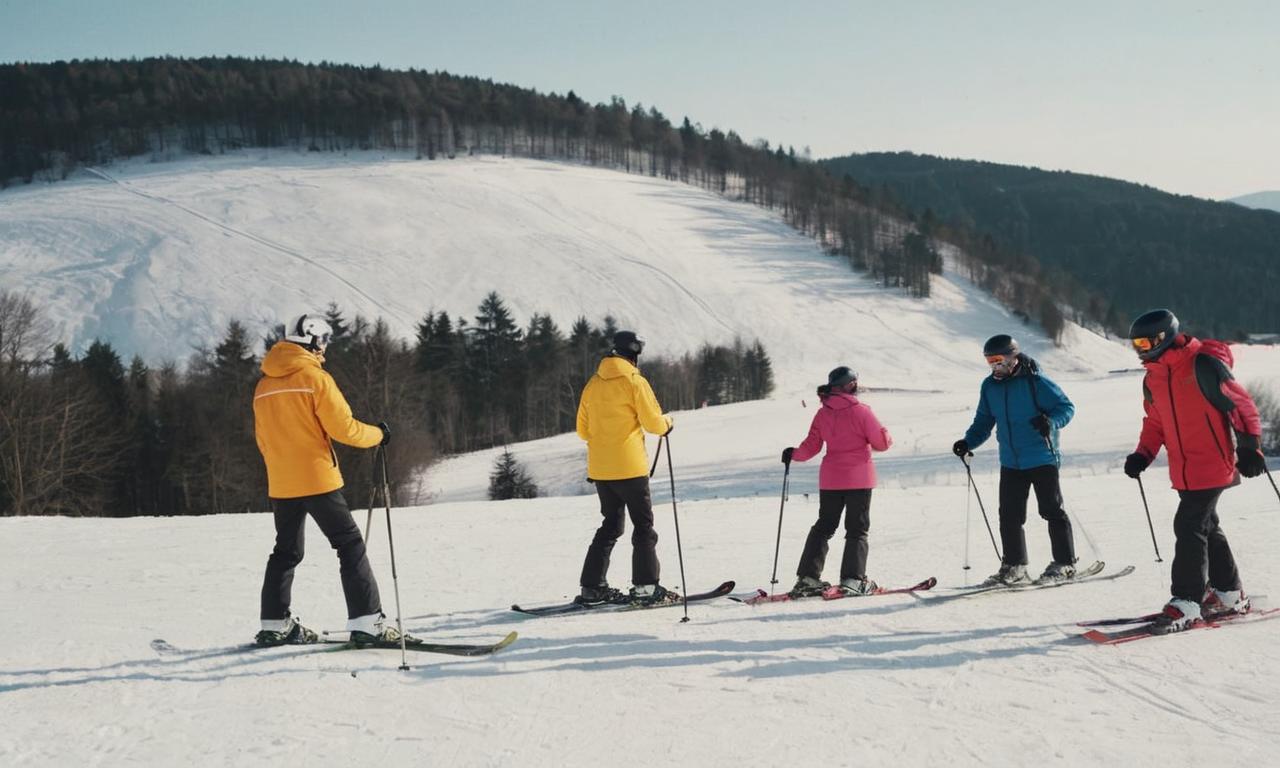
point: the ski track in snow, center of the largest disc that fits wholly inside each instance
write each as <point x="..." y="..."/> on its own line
<point x="997" y="680"/>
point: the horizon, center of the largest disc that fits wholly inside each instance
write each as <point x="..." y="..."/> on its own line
<point x="1157" y="94"/>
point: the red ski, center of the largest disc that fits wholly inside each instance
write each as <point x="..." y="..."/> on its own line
<point x="764" y="597"/>
<point x="1152" y="629"/>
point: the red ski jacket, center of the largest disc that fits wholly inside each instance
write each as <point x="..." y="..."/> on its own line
<point x="1192" y="404"/>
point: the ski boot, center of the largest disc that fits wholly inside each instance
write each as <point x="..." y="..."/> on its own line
<point x="807" y="586"/>
<point x="858" y="587"/>
<point x="599" y="595"/>
<point x="651" y="594"/>
<point x="1009" y="575"/>
<point x="1178" y="614"/>
<point x="286" y="631"/>
<point x="1055" y="572"/>
<point x="1218" y="602"/>
<point x="371" y="629"/>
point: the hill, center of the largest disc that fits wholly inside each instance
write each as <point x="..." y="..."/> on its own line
<point x="1128" y="247"/>
<point x="1269" y="201"/>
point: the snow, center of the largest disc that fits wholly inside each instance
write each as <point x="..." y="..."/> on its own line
<point x="163" y="258"/>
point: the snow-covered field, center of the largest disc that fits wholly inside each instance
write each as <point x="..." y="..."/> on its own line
<point x="171" y="252"/>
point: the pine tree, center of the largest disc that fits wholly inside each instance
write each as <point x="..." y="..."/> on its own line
<point x="509" y="480"/>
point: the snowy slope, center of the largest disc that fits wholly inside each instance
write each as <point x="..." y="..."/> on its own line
<point x="168" y="254"/>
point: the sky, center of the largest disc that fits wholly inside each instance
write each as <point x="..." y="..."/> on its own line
<point x="1183" y="96"/>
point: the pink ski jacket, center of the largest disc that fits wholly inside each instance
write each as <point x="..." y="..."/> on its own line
<point x="851" y="432"/>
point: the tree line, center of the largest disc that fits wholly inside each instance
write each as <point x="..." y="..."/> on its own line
<point x="89" y="435"/>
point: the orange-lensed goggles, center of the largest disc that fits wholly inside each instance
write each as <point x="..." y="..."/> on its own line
<point x="996" y="359"/>
<point x="1145" y="343"/>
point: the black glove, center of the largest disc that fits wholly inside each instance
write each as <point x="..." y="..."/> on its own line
<point x="786" y="455"/>
<point x="1134" y="463"/>
<point x="1250" y="461"/>
<point x="961" y="449"/>
<point x="386" y="432"/>
<point x="1042" y="424"/>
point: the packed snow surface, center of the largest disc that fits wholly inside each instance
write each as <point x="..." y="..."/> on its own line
<point x="156" y="258"/>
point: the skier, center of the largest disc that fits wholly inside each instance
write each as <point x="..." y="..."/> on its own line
<point x="1027" y="409"/>
<point x="845" y="479"/>
<point x="616" y="405"/>
<point x="298" y="411"/>
<point x="1192" y="404"/>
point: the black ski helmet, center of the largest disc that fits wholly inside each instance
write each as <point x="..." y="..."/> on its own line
<point x="627" y="344"/>
<point x="1158" y="329"/>
<point x="1001" y="344"/>
<point x="841" y="376"/>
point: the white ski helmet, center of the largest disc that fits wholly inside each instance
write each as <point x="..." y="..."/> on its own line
<point x="311" y="331"/>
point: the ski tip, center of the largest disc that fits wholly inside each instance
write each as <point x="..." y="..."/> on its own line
<point x="1097" y="636"/>
<point x="504" y="642"/>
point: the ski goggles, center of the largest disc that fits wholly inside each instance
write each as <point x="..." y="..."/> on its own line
<point x="1145" y="344"/>
<point x="998" y="359"/>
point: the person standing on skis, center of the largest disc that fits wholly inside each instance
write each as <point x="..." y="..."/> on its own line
<point x="1192" y="405"/>
<point x="851" y="432"/>
<point x="297" y="413"/>
<point x="1027" y="410"/>
<point x="616" y="409"/>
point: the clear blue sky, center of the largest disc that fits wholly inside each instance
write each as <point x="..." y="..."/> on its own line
<point x="1182" y="96"/>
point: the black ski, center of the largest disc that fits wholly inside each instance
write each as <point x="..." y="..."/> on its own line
<point x="338" y="642"/>
<point x="561" y="609"/>
<point x="418" y="644"/>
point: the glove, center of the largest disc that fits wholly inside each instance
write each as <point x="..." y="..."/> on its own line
<point x="386" y="432"/>
<point x="1042" y="424"/>
<point x="786" y="455"/>
<point x="1134" y="463"/>
<point x="1250" y="461"/>
<point x="961" y="449"/>
<point x="671" y="424"/>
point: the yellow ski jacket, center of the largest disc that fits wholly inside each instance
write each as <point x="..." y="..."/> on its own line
<point x="616" y="405"/>
<point x="297" y="409"/>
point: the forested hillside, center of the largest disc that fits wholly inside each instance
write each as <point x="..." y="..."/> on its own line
<point x="57" y="117"/>
<point x="1125" y="247"/>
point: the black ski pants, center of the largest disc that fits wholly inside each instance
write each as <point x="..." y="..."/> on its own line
<point x="855" y="504"/>
<point x="632" y="495"/>
<point x="1201" y="549"/>
<point x="1015" y="487"/>
<point x="332" y="515"/>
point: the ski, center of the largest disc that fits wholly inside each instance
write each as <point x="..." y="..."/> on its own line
<point x="831" y="593"/>
<point x="333" y="642"/>
<point x="1143" y="619"/>
<point x="561" y="609"/>
<point x="420" y="645"/>
<point x="1153" y="629"/>
<point x="1090" y="574"/>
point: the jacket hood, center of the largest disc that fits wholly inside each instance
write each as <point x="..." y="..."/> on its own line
<point x="286" y="358"/>
<point x="1186" y="347"/>
<point x="839" y="401"/>
<point x="614" y="367"/>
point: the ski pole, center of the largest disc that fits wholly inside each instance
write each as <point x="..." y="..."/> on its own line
<point x="978" y="496"/>
<point x="671" y="472"/>
<point x="786" y="475"/>
<point x="1272" y="479"/>
<point x="373" y="495"/>
<point x="657" y="454"/>
<point x="1142" y="491"/>
<point x="968" y="511"/>
<point x="386" y="498"/>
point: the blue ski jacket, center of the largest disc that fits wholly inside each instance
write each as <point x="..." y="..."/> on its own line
<point x="1009" y="405"/>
